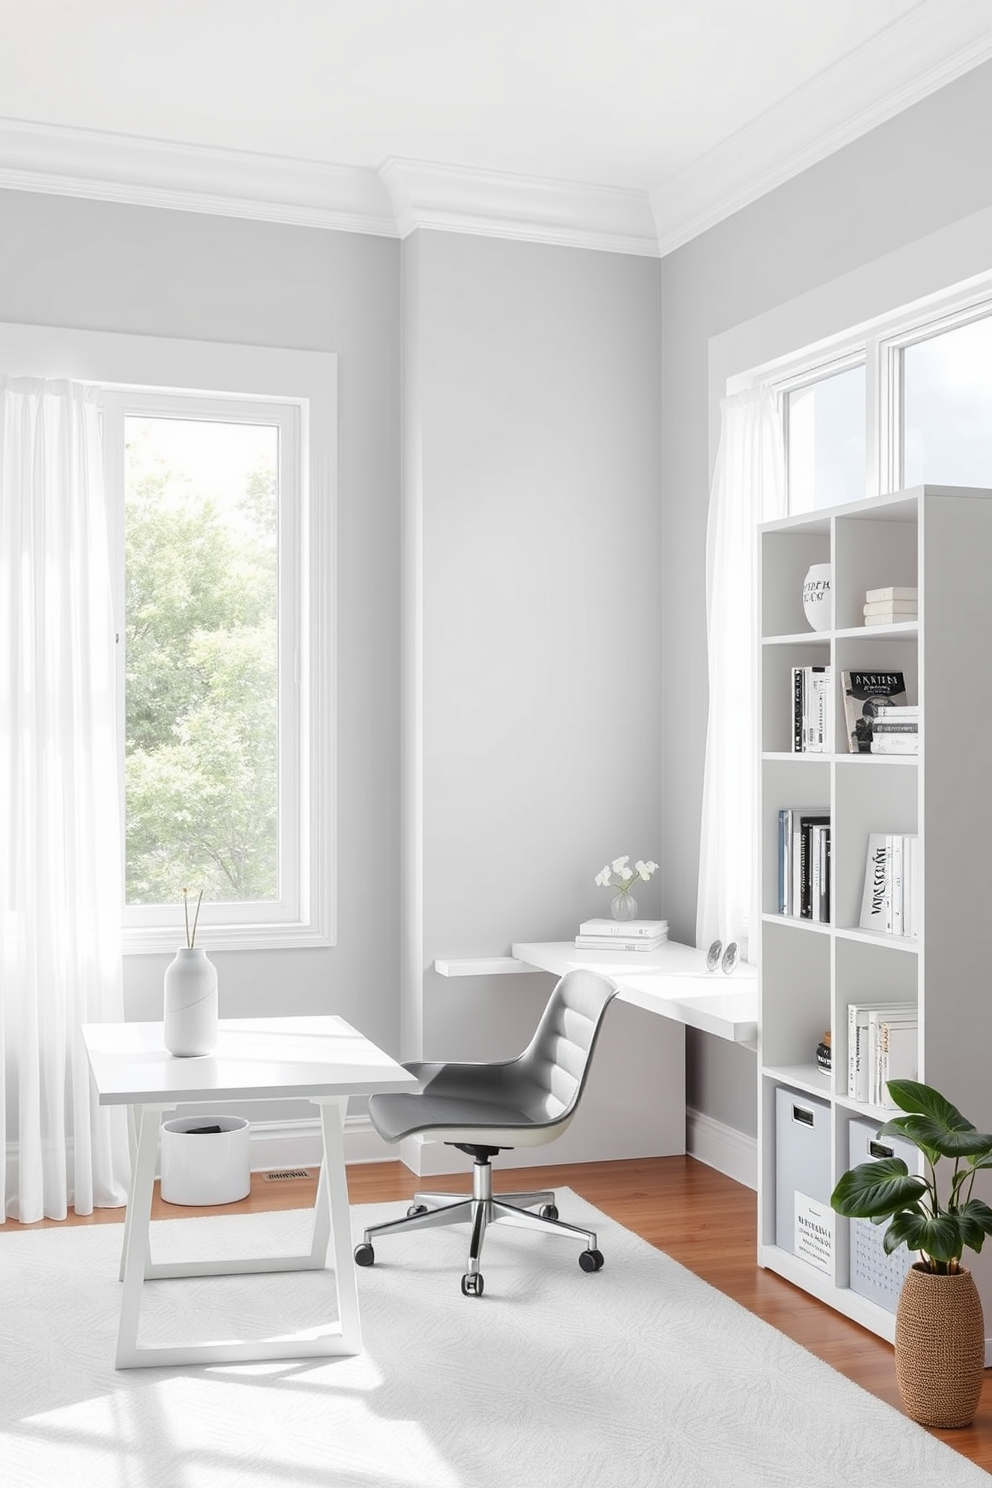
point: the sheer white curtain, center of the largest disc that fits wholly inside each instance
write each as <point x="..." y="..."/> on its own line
<point x="60" y="859"/>
<point x="748" y="488"/>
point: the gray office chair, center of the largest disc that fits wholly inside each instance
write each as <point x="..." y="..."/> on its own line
<point x="484" y="1108"/>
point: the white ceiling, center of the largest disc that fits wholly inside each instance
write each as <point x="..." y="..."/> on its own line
<point x="629" y="124"/>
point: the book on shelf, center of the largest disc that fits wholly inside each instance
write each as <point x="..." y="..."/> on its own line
<point x="895" y="743"/>
<point x="612" y="943"/>
<point x="900" y="1058"/>
<point x="890" y="899"/>
<point x="889" y="618"/>
<point x="892" y="592"/>
<point x="820" y="874"/>
<point x="862" y="1043"/>
<point x="876" y="898"/>
<point x="625" y="929"/>
<point x="862" y="692"/>
<point x="891" y="723"/>
<point x="803" y="881"/>
<point x="885" y="711"/>
<point x="795" y="857"/>
<point x="891" y="607"/>
<point x="784" y="860"/>
<point x="811" y="710"/>
<point x="896" y="1054"/>
<point x="897" y="882"/>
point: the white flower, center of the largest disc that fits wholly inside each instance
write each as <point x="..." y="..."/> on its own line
<point x="620" y="875"/>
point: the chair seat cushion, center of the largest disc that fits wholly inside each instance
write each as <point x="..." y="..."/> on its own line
<point x="408" y="1113"/>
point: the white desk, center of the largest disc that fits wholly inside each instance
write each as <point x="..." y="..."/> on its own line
<point x="672" y="981"/>
<point x="322" y="1059"/>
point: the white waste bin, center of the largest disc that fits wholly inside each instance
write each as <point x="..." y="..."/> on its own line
<point x="204" y="1160"/>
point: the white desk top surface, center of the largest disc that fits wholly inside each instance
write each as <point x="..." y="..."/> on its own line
<point x="671" y="980"/>
<point x="254" y="1059"/>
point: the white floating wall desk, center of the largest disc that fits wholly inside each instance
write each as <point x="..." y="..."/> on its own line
<point x="322" y="1059"/>
<point x="671" y="981"/>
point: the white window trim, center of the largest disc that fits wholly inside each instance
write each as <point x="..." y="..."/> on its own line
<point x="879" y="343"/>
<point x="277" y="375"/>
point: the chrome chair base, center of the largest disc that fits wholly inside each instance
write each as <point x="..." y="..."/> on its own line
<point x="430" y="1210"/>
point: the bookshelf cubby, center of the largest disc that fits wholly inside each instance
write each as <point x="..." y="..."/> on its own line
<point x="939" y="540"/>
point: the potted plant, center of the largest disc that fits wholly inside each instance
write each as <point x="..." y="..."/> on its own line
<point x="940" y="1330"/>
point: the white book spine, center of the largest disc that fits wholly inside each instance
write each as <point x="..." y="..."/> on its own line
<point x="897" y="842"/>
<point x="892" y="592"/>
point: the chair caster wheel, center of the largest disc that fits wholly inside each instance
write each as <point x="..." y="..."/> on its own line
<point x="549" y="1211"/>
<point x="472" y="1284"/>
<point x="364" y="1254"/>
<point x="591" y="1260"/>
<point x="416" y="1209"/>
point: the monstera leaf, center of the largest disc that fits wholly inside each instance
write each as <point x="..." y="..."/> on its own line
<point x="940" y="1229"/>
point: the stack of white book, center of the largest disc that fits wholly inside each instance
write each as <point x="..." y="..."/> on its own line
<point x="891" y="606"/>
<point x="895" y="728"/>
<point x="882" y="1045"/>
<point x="622" y="935"/>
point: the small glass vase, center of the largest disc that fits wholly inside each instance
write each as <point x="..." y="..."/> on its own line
<point x="623" y="906"/>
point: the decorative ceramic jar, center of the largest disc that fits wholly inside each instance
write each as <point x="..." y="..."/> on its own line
<point x="623" y="906"/>
<point x="817" y="597"/>
<point x="190" y="1020"/>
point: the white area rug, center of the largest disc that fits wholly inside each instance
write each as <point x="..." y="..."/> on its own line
<point x="638" y="1376"/>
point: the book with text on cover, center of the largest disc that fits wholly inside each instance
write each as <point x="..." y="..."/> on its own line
<point x="624" y="929"/>
<point x="862" y="691"/>
<point x="613" y="943"/>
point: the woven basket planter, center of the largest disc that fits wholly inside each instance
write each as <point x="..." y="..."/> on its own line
<point x="940" y="1347"/>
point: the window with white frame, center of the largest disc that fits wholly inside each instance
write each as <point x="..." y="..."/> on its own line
<point x="219" y="462"/>
<point x="902" y="402"/>
<point x="899" y="402"/>
<point x="208" y="492"/>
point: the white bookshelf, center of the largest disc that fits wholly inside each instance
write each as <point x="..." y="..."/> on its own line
<point x="938" y="539"/>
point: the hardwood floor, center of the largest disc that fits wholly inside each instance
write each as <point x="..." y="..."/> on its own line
<point x="696" y="1215"/>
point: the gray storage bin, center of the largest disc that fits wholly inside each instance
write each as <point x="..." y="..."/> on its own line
<point x="802" y="1162"/>
<point x="875" y="1275"/>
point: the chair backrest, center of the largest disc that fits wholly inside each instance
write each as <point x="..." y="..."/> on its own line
<point x="555" y="1063"/>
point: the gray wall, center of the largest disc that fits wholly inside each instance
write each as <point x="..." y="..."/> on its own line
<point x="532" y="388"/>
<point x="886" y="219"/>
<point x="101" y="266"/>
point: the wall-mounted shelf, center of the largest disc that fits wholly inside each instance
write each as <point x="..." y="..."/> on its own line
<point x="482" y="966"/>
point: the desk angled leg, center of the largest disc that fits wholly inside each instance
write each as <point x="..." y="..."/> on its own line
<point x="135" y="1256"/>
<point x="333" y="1210"/>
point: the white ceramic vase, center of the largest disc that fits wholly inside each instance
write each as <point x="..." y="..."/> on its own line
<point x="817" y="597"/>
<point x="190" y="1021"/>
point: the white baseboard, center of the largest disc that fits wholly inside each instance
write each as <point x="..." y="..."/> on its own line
<point x="276" y="1145"/>
<point x="730" y="1151"/>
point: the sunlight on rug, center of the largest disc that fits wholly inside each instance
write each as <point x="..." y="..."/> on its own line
<point x="638" y="1376"/>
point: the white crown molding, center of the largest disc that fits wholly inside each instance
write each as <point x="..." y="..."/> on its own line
<point x="191" y="178"/>
<point x="929" y="47"/>
<point x="500" y="205"/>
<point x="906" y="62"/>
<point x="391" y="202"/>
